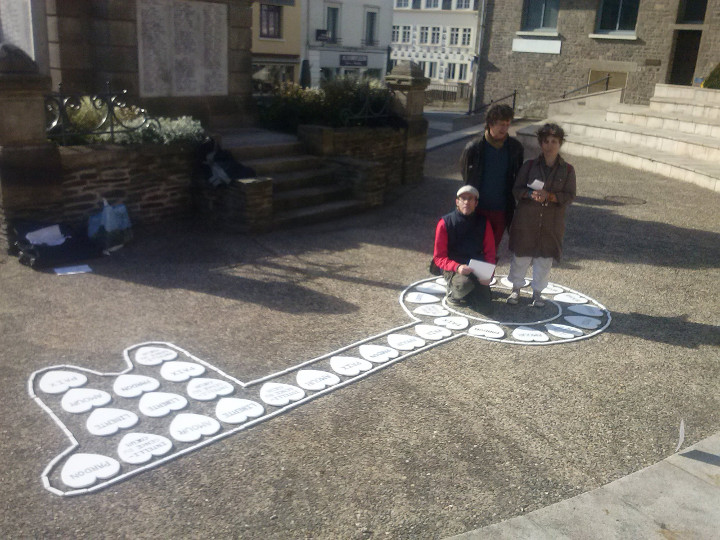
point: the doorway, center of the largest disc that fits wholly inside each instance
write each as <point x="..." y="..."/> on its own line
<point x="687" y="43"/>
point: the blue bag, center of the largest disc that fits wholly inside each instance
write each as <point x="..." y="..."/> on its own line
<point x="111" y="228"/>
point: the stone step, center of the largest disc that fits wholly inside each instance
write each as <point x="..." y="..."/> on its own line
<point x="270" y="166"/>
<point x="685" y="107"/>
<point x="639" y="115"/>
<point x="301" y="179"/>
<point x="667" y="141"/>
<point x="688" y="93"/>
<point x="314" y="214"/>
<point x="310" y="196"/>
<point x="702" y="173"/>
<point x="260" y="151"/>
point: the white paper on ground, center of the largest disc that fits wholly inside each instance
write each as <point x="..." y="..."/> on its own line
<point x="49" y="236"/>
<point x="536" y="184"/>
<point x="67" y="270"/>
<point x="482" y="270"/>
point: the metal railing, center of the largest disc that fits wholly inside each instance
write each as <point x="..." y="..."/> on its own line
<point x="372" y="111"/>
<point x="76" y="115"/>
<point x="446" y="93"/>
<point x="493" y="101"/>
<point x="605" y="79"/>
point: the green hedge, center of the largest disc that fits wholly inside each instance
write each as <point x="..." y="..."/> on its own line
<point x="335" y="104"/>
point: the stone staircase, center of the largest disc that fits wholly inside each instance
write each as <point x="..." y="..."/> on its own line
<point x="305" y="188"/>
<point x="676" y="135"/>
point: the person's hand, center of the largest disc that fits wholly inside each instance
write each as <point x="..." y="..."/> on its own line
<point x="464" y="269"/>
<point x="540" y="195"/>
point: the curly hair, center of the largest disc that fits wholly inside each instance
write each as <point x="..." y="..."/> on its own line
<point x="550" y="130"/>
<point x="498" y="113"/>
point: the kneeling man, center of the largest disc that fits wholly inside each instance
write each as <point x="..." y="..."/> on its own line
<point x="460" y="236"/>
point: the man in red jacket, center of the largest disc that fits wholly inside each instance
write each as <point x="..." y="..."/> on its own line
<point x="462" y="235"/>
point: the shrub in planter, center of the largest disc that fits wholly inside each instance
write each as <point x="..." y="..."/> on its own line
<point x="713" y="80"/>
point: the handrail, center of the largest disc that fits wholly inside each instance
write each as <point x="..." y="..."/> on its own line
<point x="493" y="101"/>
<point x="588" y="85"/>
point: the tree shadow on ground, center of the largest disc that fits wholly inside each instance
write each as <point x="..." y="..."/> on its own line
<point x="677" y="331"/>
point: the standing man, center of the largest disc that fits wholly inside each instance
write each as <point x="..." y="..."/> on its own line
<point x="461" y="235"/>
<point x="490" y="164"/>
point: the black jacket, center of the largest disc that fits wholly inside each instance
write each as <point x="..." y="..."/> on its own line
<point x="471" y="167"/>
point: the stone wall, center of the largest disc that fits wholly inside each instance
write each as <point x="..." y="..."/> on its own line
<point x="93" y="41"/>
<point x="540" y="78"/>
<point x="152" y="181"/>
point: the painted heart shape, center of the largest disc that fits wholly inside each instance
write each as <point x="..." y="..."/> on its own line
<point x="563" y="331"/>
<point x="441" y="281"/>
<point x="434" y="310"/>
<point x="505" y="282"/>
<point x="453" y="323"/>
<point x="107" y="421"/>
<point x="188" y="427"/>
<point x="130" y="386"/>
<point x="432" y="332"/>
<point x="525" y="333"/>
<point x="157" y="404"/>
<point x="137" y="448"/>
<point x="431" y="288"/>
<point x="487" y="330"/>
<point x="237" y="411"/>
<point x="589" y="323"/>
<point x="571" y="298"/>
<point x="378" y="353"/>
<point x="405" y="342"/>
<point x="83" y="470"/>
<point x="80" y="400"/>
<point x="204" y="389"/>
<point x="586" y="310"/>
<point x="421" y="298"/>
<point x="152" y="356"/>
<point x="552" y="289"/>
<point x="314" y="379"/>
<point x="279" y="395"/>
<point x="58" y="381"/>
<point x="349" y="365"/>
<point x="180" y="371"/>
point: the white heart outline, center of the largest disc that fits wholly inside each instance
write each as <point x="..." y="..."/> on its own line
<point x="139" y="384"/>
<point x="181" y="371"/>
<point x="162" y="445"/>
<point x="197" y="388"/>
<point x="242" y="410"/>
<point x="159" y="404"/>
<point x="405" y="342"/>
<point x="89" y="469"/>
<point x="81" y="400"/>
<point x="287" y="393"/>
<point x="69" y="379"/>
<point x="453" y="322"/>
<point x="535" y="335"/>
<point x="191" y="427"/>
<point x="157" y="355"/>
<point x="316" y="379"/>
<point x="349" y="366"/>
<point x="106" y="414"/>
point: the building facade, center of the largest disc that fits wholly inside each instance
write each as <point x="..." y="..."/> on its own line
<point x="276" y="42"/>
<point x="440" y="35"/>
<point x="347" y="38"/>
<point x="544" y="48"/>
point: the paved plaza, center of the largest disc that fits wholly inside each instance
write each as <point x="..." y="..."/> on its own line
<point x="465" y="435"/>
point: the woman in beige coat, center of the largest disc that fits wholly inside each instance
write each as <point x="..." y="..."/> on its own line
<point x="544" y="187"/>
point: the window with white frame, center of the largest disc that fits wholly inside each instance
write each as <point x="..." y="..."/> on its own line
<point x="406" y="34"/>
<point x="466" y="36"/>
<point x="462" y="72"/>
<point x="432" y="4"/>
<point x="454" y="36"/>
<point x="395" y="33"/>
<point x="540" y="15"/>
<point x="270" y="21"/>
<point x="402" y="3"/>
<point x="424" y="34"/>
<point x="462" y="4"/>
<point x="618" y="15"/>
<point x="431" y="70"/>
<point x="371" y="28"/>
<point x="450" y="71"/>
<point x="332" y="23"/>
<point x="435" y="36"/>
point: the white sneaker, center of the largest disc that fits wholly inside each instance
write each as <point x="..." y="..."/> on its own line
<point x="514" y="297"/>
<point x="538" y="301"/>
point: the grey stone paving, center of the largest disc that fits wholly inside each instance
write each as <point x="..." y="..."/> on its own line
<point x="467" y="435"/>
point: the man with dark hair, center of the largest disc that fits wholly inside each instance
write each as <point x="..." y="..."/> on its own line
<point x="490" y="164"/>
<point x="460" y="236"/>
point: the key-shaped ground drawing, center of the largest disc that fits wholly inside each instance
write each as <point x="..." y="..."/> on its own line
<point x="167" y="402"/>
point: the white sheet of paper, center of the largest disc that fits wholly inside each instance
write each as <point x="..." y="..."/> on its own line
<point x="482" y="270"/>
<point x="536" y="184"/>
<point x="67" y="270"/>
